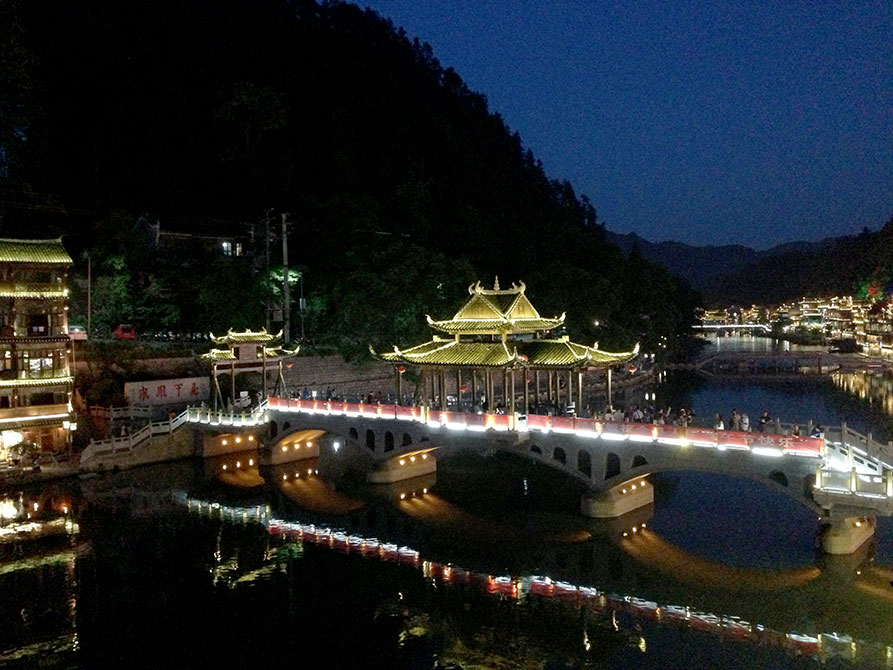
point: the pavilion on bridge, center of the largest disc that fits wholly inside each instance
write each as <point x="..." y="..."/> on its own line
<point x="498" y="342"/>
<point x="248" y="351"/>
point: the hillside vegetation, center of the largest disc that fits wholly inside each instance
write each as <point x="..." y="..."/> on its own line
<point x="402" y="185"/>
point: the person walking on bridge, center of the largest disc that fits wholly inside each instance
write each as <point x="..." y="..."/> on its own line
<point x="765" y="420"/>
<point x="745" y="422"/>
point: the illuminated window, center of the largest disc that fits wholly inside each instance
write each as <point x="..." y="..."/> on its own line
<point x="227" y="248"/>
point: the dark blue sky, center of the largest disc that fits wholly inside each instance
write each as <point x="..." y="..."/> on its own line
<point x="704" y="122"/>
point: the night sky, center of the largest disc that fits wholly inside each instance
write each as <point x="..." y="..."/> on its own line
<point x="708" y="123"/>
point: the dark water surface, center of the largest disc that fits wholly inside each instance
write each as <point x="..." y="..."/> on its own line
<point x="188" y="565"/>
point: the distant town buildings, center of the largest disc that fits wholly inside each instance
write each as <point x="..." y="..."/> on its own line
<point x="35" y="378"/>
<point x="869" y="324"/>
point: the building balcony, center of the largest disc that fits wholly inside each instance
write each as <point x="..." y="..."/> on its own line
<point x="24" y="417"/>
<point x="33" y="291"/>
<point x="33" y="381"/>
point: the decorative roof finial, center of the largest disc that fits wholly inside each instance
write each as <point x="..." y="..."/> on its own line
<point x="496" y="284"/>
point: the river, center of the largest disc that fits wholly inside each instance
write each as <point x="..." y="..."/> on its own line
<point x="188" y="565"/>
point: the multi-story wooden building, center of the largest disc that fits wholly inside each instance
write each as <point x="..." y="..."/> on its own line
<point x="878" y="330"/>
<point x="35" y="375"/>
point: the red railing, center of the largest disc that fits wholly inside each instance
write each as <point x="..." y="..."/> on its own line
<point x="643" y="432"/>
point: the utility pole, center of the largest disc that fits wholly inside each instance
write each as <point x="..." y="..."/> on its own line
<point x="267" y="253"/>
<point x="286" y="298"/>
<point x="302" y="306"/>
<point x="89" y="295"/>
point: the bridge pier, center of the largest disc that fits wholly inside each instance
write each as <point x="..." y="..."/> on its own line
<point x="403" y="467"/>
<point x="846" y="535"/>
<point x="618" y="500"/>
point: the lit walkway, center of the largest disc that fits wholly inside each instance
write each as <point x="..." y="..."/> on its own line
<point x="850" y="469"/>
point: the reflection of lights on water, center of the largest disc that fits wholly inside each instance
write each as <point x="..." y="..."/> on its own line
<point x="873" y="387"/>
<point x="587" y="645"/>
<point x="330" y="537"/>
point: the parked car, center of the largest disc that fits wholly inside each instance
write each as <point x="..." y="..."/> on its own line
<point x="124" y="332"/>
<point x="77" y="332"/>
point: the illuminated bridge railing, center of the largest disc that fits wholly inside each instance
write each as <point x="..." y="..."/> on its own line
<point x="834" y="475"/>
<point x="764" y="444"/>
<point x="216" y="417"/>
<point x="855" y="483"/>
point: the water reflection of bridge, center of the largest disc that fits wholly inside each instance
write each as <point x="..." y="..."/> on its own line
<point x="775" y="587"/>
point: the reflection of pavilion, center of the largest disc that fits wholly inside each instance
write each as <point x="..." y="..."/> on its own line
<point x="496" y="338"/>
<point x="248" y="351"/>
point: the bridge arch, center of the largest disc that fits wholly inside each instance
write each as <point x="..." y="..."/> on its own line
<point x="536" y="450"/>
<point x="353" y="433"/>
<point x="388" y="441"/>
<point x="638" y="460"/>
<point x="370" y="439"/>
<point x="779" y="477"/>
<point x="789" y="483"/>
<point x="559" y="455"/>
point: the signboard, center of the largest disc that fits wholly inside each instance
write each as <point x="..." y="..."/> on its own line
<point x="168" y="391"/>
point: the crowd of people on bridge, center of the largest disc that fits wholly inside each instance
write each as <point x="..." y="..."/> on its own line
<point x="633" y="413"/>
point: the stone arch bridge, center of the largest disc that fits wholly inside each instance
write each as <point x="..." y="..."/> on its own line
<point x="611" y="460"/>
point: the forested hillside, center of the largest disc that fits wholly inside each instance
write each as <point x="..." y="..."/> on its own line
<point x="735" y="274"/>
<point x="839" y="266"/>
<point x="402" y="184"/>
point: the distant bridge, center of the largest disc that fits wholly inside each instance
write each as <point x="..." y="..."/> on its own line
<point x="733" y="326"/>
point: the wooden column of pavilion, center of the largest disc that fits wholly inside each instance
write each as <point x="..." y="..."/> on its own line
<point x="498" y="332"/>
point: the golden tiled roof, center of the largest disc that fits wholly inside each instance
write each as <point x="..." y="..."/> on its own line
<point x="246" y="337"/>
<point x="34" y="251"/>
<point x="563" y="352"/>
<point x="496" y="311"/>
<point x="227" y="354"/>
<point x="218" y="355"/>
<point x="558" y="353"/>
<point x="492" y="326"/>
<point x="451" y="352"/>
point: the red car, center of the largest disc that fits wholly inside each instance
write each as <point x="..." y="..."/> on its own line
<point x="124" y="332"/>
